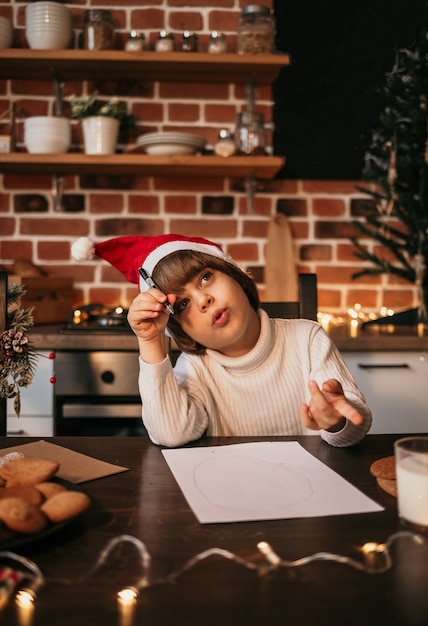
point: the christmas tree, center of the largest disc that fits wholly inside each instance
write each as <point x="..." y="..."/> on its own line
<point x="396" y="166"/>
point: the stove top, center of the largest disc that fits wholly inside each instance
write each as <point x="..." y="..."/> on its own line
<point x="97" y="318"/>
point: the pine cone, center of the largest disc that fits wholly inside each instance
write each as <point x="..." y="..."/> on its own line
<point x="13" y="343"/>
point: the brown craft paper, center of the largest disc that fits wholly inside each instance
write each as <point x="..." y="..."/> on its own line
<point x="74" y="466"/>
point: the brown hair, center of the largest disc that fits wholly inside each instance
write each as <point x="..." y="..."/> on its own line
<point x="178" y="268"/>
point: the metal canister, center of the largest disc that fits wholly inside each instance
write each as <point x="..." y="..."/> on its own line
<point x="98" y="30"/>
<point x="256" y="30"/>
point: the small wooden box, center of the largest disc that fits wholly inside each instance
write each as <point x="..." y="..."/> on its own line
<point x="50" y="297"/>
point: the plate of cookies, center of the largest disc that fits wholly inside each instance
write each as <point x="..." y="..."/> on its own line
<point x="34" y="502"/>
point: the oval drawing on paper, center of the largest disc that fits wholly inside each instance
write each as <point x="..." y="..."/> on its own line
<point x="250" y="484"/>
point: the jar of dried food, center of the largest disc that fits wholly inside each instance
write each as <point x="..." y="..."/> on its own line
<point x="165" y="42"/>
<point x="98" y="30"/>
<point x="136" y="41"/>
<point x="190" y="42"/>
<point x="256" y="30"/>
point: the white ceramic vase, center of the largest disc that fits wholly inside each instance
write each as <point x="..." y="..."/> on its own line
<point x="100" y="134"/>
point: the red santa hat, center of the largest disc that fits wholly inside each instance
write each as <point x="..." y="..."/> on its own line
<point x="128" y="254"/>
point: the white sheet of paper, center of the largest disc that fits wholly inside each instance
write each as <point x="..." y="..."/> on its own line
<point x="262" y="480"/>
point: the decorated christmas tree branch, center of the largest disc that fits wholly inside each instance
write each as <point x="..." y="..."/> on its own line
<point x="17" y="359"/>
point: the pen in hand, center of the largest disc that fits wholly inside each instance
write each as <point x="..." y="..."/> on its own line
<point x="149" y="280"/>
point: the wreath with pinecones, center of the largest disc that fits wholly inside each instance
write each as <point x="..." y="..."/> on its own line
<point x="17" y="359"/>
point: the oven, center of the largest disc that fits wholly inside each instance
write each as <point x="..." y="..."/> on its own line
<point x="96" y="391"/>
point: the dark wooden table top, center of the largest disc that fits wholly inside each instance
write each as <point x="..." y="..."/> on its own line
<point x="146" y="503"/>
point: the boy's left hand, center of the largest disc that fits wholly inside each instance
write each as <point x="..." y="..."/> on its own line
<point x="328" y="409"/>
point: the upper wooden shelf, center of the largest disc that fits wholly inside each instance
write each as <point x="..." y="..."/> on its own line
<point x="133" y="164"/>
<point x="23" y="63"/>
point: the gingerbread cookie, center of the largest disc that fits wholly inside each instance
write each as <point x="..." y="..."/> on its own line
<point x="50" y="489"/>
<point x="26" y="492"/>
<point x="28" y="471"/>
<point x="384" y="468"/>
<point x="65" y="505"/>
<point x="390" y="486"/>
<point x="22" y="516"/>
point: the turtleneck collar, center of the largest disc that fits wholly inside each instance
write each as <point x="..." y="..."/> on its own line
<point x="255" y="357"/>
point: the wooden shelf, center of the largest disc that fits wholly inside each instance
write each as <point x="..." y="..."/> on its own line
<point x="23" y="63"/>
<point x="133" y="164"/>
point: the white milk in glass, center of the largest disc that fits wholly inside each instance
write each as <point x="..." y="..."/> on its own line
<point x="412" y="483"/>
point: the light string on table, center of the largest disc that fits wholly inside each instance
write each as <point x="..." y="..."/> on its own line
<point x="377" y="559"/>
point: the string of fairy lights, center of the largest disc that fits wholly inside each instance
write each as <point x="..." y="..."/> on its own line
<point x="376" y="559"/>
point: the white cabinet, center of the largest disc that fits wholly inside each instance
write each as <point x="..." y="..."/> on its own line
<point x="395" y="385"/>
<point x="37" y="400"/>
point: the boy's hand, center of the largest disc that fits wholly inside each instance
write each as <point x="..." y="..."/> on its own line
<point x="328" y="408"/>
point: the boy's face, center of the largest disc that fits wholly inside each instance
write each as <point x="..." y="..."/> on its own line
<point x="214" y="311"/>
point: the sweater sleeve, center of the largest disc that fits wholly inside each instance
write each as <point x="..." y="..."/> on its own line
<point x="172" y="415"/>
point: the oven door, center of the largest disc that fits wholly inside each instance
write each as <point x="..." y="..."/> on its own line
<point x="96" y="393"/>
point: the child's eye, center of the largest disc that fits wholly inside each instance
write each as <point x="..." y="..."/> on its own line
<point x="206" y="276"/>
<point x="181" y="305"/>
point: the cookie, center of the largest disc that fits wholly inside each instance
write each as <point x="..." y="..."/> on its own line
<point x="390" y="486"/>
<point x="28" y="471"/>
<point x="384" y="468"/>
<point x="50" y="489"/>
<point x="22" y="516"/>
<point x="26" y="492"/>
<point x="65" y="505"/>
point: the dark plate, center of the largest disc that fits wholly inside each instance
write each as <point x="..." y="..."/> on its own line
<point x="11" y="540"/>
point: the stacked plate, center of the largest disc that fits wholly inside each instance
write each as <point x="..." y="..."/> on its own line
<point x="45" y="134"/>
<point x="6" y="32"/>
<point x="48" y="25"/>
<point x="171" y="143"/>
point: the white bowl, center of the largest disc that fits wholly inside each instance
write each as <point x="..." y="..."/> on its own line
<point x="45" y="134"/>
<point x="6" y="32"/>
<point x="48" y="25"/>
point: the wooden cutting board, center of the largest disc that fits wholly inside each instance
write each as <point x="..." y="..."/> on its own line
<point x="280" y="269"/>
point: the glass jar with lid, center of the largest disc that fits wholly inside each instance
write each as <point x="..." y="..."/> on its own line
<point x="217" y="43"/>
<point x="165" y="42"/>
<point x="98" y="30"/>
<point x="256" y="30"/>
<point x="189" y="42"/>
<point x="136" y="41"/>
<point x="250" y="134"/>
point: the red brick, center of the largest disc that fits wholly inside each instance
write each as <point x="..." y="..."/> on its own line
<point x="143" y="204"/>
<point x="328" y="207"/>
<point x="12" y="249"/>
<point x="180" y="204"/>
<point x="185" y="20"/>
<point x="53" y="250"/>
<point x="178" y="112"/>
<point x="106" y="203"/>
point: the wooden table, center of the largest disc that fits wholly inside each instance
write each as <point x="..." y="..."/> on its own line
<point x="146" y="502"/>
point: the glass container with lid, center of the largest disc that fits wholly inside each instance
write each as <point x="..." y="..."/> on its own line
<point x="189" y="42"/>
<point x="256" y="30"/>
<point x="136" y="41"/>
<point x="98" y="30"/>
<point x="165" y="42"/>
<point x="250" y="133"/>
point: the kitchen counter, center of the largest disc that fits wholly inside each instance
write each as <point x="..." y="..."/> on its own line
<point x="374" y="338"/>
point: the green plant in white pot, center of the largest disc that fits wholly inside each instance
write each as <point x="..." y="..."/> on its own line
<point x="101" y="122"/>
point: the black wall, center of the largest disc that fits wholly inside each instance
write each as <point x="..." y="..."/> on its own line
<point x="326" y="104"/>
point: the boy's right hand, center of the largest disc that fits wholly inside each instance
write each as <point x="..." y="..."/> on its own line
<point x="147" y="316"/>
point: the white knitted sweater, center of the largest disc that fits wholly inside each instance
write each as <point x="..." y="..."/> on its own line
<point x="254" y="395"/>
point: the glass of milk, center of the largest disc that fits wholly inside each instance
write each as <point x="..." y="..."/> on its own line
<point x="411" y="461"/>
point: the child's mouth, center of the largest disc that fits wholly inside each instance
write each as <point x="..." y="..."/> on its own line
<point x="220" y="317"/>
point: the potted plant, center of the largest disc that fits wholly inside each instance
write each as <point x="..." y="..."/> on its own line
<point x="101" y="122"/>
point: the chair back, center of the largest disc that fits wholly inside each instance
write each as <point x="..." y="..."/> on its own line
<point x="306" y="307"/>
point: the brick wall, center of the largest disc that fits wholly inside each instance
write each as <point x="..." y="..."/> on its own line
<point x="319" y="212"/>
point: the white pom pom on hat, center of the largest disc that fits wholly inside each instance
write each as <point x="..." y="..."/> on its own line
<point x="128" y="254"/>
<point x="83" y="249"/>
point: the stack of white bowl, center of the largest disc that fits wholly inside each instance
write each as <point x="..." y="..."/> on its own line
<point x="48" y="25"/>
<point x="6" y="32"/>
<point x="47" y="134"/>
